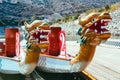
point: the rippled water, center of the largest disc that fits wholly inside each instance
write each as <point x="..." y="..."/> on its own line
<point x="39" y="75"/>
<point x="11" y="77"/>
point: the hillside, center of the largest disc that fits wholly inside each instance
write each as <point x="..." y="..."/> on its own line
<point x="13" y="12"/>
<point x="72" y="27"/>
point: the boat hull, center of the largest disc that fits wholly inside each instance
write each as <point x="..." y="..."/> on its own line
<point x="45" y="63"/>
<point x="57" y="65"/>
<point x="9" y="66"/>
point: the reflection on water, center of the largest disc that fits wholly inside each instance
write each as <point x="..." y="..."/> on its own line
<point x="39" y="75"/>
<point x="11" y="77"/>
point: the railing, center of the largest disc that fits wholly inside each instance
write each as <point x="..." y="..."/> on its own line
<point x="115" y="43"/>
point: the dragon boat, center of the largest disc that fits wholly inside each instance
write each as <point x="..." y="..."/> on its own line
<point x="44" y="46"/>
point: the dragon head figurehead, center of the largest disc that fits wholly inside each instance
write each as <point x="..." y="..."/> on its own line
<point x="93" y="31"/>
<point x="94" y="25"/>
<point x="36" y="24"/>
<point x="34" y="30"/>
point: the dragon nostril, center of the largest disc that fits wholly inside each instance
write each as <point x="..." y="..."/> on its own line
<point x="95" y="24"/>
<point x="101" y="21"/>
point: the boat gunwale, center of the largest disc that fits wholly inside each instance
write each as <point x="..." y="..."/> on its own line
<point x="54" y="57"/>
<point x="10" y="58"/>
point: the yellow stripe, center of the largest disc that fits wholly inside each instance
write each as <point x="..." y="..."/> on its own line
<point x="89" y="75"/>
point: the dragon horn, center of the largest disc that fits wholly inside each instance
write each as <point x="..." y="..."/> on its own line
<point x="26" y="25"/>
<point x="80" y="21"/>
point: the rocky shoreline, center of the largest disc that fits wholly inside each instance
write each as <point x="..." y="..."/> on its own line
<point x="115" y="24"/>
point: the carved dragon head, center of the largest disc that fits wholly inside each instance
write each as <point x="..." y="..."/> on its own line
<point x="94" y="27"/>
<point x="36" y="24"/>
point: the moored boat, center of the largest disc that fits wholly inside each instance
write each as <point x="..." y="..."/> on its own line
<point x="44" y="47"/>
<point x="92" y="34"/>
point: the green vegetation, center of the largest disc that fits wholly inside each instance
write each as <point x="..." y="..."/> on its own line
<point x="16" y="14"/>
<point x="108" y="8"/>
<point x="68" y="19"/>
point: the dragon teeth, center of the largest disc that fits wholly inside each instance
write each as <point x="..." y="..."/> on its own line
<point x="106" y="20"/>
<point x="103" y="27"/>
<point x="105" y="32"/>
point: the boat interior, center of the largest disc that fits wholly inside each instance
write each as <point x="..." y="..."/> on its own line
<point x="11" y="44"/>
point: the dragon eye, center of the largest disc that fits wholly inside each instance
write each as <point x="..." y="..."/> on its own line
<point x="35" y="28"/>
<point x="93" y="20"/>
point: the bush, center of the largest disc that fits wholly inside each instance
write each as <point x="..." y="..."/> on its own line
<point x="107" y="7"/>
